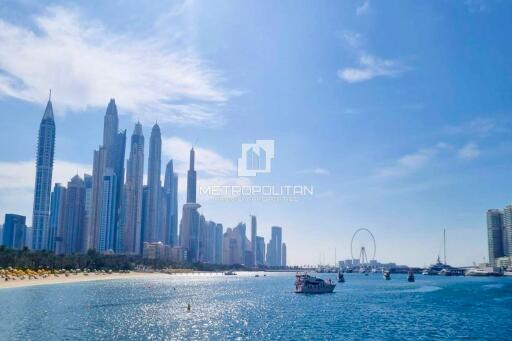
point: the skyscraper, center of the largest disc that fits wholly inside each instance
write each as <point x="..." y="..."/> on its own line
<point x="132" y="198"/>
<point x="151" y="216"/>
<point x="495" y="235"/>
<point x="189" y="226"/>
<point x="75" y="231"/>
<point x="57" y="210"/>
<point x="106" y="240"/>
<point x="507" y="230"/>
<point x="88" y="183"/>
<point x="254" y="233"/>
<point x="218" y="244"/>
<point x="274" y="249"/>
<point x="108" y="158"/>
<point x="283" y="256"/>
<point x="234" y="245"/>
<point x="170" y="206"/>
<point x="43" y="183"/>
<point x="98" y="168"/>
<point x="15" y="230"/>
<point x="260" y="251"/>
<point x="191" y="179"/>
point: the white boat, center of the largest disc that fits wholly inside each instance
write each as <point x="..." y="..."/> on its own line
<point x="386" y="275"/>
<point x="306" y="284"/>
<point x="489" y="271"/>
<point x="476" y="272"/>
<point x="508" y="271"/>
<point x="230" y="273"/>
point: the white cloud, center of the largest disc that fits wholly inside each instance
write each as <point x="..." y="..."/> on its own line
<point x="371" y="67"/>
<point x="207" y="161"/>
<point x="477" y="126"/>
<point x="213" y="169"/>
<point x="469" y="151"/>
<point x="84" y="64"/>
<point x="364" y="8"/>
<point x="315" y="171"/>
<point x="17" y="181"/>
<point x="413" y="162"/>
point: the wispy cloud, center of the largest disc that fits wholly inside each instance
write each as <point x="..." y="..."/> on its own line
<point x="476" y="6"/>
<point x="469" y="151"/>
<point x="369" y="66"/>
<point x="85" y="65"/>
<point x="213" y="168"/>
<point x="363" y="8"/>
<point x="413" y="162"/>
<point x="315" y="171"/>
<point x="207" y="160"/>
<point x="478" y="126"/>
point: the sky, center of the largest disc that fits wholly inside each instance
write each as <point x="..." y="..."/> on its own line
<point x="396" y="113"/>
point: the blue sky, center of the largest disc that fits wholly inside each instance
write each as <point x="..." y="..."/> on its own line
<point x="398" y="113"/>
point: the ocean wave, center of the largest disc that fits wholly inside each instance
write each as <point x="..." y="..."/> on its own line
<point x="424" y="288"/>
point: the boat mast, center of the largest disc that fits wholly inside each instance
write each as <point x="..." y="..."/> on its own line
<point x="444" y="245"/>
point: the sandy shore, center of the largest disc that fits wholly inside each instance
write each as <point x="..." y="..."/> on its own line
<point x="62" y="279"/>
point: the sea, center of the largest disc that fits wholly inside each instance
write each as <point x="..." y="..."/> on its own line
<point x="245" y="307"/>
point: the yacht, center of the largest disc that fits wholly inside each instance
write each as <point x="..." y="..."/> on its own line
<point x="480" y="272"/>
<point x="508" y="271"/>
<point x="386" y="275"/>
<point x="306" y="284"/>
<point x="230" y="273"/>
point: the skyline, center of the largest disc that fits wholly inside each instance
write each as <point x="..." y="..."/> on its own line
<point x="390" y="136"/>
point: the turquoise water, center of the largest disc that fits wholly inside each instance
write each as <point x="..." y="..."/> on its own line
<point x="245" y="307"/>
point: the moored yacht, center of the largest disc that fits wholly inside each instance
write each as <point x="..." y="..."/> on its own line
<point x="306" y="284"/>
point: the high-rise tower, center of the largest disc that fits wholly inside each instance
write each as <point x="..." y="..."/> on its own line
<point x="191" y="179"/>
<point x="254" y="232"/>
<point x="495" y="235"/>
<point x="132" y="199"/>
<point x="109" y="158"/>
<point x="151" y="216"/>
<point x="43" y="183"/>
<point x="170" y="206"/>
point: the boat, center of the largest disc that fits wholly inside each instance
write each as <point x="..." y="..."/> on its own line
<point x="410" y="276"/>
<point x="230" y="273"/>
<point x="256" y="275"/>
<point x="508" y="271"/>
<point x="306" y="284"/>
<point x="482" y="272"/>
<point x="386" y="275"/>
<point x="341" y="278"/>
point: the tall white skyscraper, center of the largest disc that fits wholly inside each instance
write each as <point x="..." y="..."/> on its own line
<point x="190" y="221"/>
<point x="132" y="197"/>
<point x="170" y="206"/>
<point x="43" y="182"/>
<point x="108" y="158"/>
<point x="152" y="213"/>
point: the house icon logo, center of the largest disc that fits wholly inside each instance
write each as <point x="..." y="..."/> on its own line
<point x="256" y="158"/>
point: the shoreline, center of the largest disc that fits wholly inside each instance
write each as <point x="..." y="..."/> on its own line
<point x="79" y="278"/>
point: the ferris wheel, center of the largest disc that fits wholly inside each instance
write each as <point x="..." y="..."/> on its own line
<point x="363" y="242"/>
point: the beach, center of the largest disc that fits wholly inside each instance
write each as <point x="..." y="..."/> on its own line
<point x="78" y="278"/>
